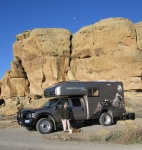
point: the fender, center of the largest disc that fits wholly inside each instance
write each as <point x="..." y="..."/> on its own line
<point x="46" y="115"/>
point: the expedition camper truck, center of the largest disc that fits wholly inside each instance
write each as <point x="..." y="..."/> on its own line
<point x="88" y="101"/>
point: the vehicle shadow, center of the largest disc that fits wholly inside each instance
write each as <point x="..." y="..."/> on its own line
<point x="77" y="125"/>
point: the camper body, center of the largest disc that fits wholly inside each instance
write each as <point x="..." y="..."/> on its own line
<point x="88" y="101"/>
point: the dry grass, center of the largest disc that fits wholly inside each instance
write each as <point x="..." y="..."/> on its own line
<point x="129" y="133"/>
<point x="133" y="103"/>
<point x="125" y="132"/>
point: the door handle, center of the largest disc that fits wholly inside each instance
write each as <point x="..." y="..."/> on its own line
<point x="82" y="109"/>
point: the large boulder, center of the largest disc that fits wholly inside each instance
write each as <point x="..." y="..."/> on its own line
<point x="45" y="55"/>
<point x="108" y="50"/>
<point x="15" y="82"/>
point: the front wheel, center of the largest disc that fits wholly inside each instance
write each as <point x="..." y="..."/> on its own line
<point x="44" y="126"/>
<point x="105" y="119"/>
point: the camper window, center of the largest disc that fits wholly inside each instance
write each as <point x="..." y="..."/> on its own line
<point x="76" y="102"/>
<point x="49" y="93"/>
<point x="93" y="92"/>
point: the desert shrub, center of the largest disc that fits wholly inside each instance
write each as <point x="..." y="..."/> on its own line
<point x="134" y="104"/>
<point x="129" y="136"/>
<point x="129" y="133"/>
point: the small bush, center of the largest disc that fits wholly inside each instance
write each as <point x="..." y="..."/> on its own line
<point x="129" y="133"/>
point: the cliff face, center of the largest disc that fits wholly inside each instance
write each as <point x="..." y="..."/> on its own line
<point x="111" y="49"/>
<point x="45" y="56"/>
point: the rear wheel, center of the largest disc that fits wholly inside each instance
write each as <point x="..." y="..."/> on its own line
<point x="105" y="119"/>
<point x="44" y="126"/>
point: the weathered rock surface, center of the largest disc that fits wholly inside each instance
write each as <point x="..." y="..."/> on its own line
<point x="45" y="55"/>
<point x="110" y="49"/>
<point x="14" y="82"/>
<point x="138" y="27"/>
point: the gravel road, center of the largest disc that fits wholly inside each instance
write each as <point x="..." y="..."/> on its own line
<point x="20" y="139"/>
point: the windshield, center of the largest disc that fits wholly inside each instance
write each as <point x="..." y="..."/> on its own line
<point x="50" y="103"/>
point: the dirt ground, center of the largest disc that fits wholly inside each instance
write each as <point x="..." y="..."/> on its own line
<point x="86" y="131"/>
<point x="19" y="139"/>
<point x="8" y="124"/>
<point x="133" y="104"/>
<point x="123" y="132"/>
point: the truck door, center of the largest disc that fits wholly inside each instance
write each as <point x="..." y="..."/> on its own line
<point x="57" y="109"/>
<point x="78" y="109"/>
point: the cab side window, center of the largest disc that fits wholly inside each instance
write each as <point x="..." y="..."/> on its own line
<point x="76" y="102"/>
<point x="62" y="101"/>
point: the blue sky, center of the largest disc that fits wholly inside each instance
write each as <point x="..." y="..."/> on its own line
<point x="17" y="16"/>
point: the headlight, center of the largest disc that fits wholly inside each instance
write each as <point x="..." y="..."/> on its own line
<point x="19" y="115"/>
<point x="31" y="115"/>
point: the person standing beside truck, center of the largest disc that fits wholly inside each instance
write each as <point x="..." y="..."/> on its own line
<point x="65" y="117"/>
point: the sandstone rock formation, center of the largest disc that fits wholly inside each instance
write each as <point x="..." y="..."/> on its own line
<point x="110" y="49"/>
<point x="45" y="55"/>
<point x="14" y="82"/>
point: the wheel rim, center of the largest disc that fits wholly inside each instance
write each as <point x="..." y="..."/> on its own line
<point x="107" y="119"/>
<point x="45" y="126"/>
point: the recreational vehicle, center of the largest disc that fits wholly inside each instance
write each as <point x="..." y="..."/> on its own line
<point x="101" y="101"/>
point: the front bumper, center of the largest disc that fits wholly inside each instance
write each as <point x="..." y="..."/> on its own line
<point x="23" y="121"/>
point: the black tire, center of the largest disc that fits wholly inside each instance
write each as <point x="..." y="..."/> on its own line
<point x="44" y="126"/>
<point x="105" y="119"/>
